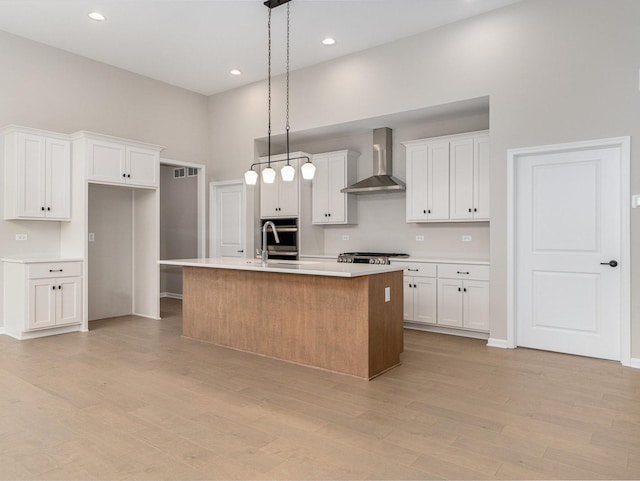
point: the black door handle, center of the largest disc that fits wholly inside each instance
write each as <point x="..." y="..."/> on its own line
<point x="610" y="263"/>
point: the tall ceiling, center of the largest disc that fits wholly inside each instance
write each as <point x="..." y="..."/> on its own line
<point x="194" y="44"/>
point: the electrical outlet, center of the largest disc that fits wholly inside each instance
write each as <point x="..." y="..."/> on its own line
<point x="419" y="238"/>
<point x="92" y="237"/>
<point x="345" y="237"/>
<point x="635" y="201"/>
<point x="467" y="238"/>
<point x="387" y="294"/>
<point x="21" y="237"/>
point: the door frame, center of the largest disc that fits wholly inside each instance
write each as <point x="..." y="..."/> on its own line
<point x="213" y="186"/>
<point x="513" y="155"/>
<point x="201" y="200"/>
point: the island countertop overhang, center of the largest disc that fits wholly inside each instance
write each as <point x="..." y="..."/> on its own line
<point x="314" y="268"/>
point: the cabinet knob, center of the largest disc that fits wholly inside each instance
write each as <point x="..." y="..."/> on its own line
<point x="124" y="175"/>
<point x="469" y="210"/>
<point x="129" y="175"/>
<point x="53" y="288"/>
<point x="428" y="211"/>
<point x="329" y="214"/>
<point x="42" y="208"/>
<point x="459" y="289"/>
<point x="464" y="289"/>
<point x="475" y="209"/>
<point x="424" y="211"/>
<point x="48" y="208"/>
<point x="59" y="287"/>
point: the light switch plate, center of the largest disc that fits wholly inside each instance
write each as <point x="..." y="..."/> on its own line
<point x="92" y="237"/>
<point x="21" y="237"/>
<point x="419" y="238"/>
<point x="467" y="238"/>
<point x="387" y="294"/>
<point x="345" y="237"/>
<point x="635" y="201"/>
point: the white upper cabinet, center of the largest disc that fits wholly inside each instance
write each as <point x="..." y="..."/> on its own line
<point x="121" y="162"/>
<point x="448" y="178"/>
<point x="37" y="168"/>
<point x="281" y="199"/>
<point x="427" y="181"/>
<point x="334" y="171"/>
<point x="469" y="167"/>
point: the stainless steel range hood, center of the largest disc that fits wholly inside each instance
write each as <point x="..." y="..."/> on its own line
<point x="381" y="180"/>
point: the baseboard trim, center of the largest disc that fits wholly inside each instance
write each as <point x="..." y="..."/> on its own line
<point x="171" y="295"/>
<point x="501" y="343"/>
<point x="634" y="362"/>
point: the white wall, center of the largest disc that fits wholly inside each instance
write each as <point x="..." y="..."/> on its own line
<point x="50" y="89"/>
<point x="178" y="225"/>
<point x="554" y="70"/>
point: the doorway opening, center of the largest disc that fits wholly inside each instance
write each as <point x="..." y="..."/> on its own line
<point x="182" y="219"/>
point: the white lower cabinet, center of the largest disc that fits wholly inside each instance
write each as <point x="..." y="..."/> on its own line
<point x="446" y="295"/>
<point x="463" y="296"/>
<point x="41" y="298"/>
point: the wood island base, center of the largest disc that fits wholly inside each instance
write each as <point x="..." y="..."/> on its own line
<point x="338" y="324"/>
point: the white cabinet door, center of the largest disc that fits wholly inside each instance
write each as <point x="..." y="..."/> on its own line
<point x="42" y="306"/>
<point x="481" y="172"/>
<point x="320" y="191"/>
<point x="58" y="179"/>
<point x="462" y="179"/>
<point x="424" y="307"/>
<point x="417" y="182"/>
<point x="288" y="194"/>
<point x="450" y="302"/>
<point x="68" y="300"/>
<point x="438" y="184"/>
<point x="142" y="166"/>
<point x="31" y="175"/>
<point x="106" y="161"/>
<point x="337" y="180"/>
<point x="408" y="298"/>
<point x="269" y="200"/>
<point x="476" y="305"/>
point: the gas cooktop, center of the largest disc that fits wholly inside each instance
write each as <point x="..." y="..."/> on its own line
<point x="369" y="257"/>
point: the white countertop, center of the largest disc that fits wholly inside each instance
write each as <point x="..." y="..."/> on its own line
<point x="34" y="259"/>
<point x="331" y="269"/>
<point x="442" y="260"/>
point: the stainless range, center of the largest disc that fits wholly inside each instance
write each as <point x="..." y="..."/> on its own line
<point x="369" y="257"/>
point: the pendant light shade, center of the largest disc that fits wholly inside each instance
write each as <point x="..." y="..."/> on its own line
<point x="288" y="173"/>
<point x="308" y="170"/>
<point x="268" y="175"/>
<point x="251" y="177"/>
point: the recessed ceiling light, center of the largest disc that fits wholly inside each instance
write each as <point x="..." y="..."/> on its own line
<point x="235" y="71"/>
<point x="97" y="16"/>
<point x="329" y="41"/>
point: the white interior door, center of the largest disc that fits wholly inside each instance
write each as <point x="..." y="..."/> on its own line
<point x="568" y="229"/>
<point x="228" y="221"/>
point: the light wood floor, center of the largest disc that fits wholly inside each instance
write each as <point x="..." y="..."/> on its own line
<point x="133" y="400"/>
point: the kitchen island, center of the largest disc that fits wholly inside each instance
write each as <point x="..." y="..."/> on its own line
<point x="344" y="318"/>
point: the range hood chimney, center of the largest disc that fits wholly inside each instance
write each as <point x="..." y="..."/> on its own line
<point x="381" y="180"/>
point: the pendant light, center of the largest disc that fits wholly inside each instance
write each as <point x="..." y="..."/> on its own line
<point x="288" y="172"/>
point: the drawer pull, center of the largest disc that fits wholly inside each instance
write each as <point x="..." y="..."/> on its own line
<point x="55" y="270"/>
<point x="413" y="270"/>
<point x="460" y="272"/>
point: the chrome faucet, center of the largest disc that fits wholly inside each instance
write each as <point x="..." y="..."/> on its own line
<point x="265" y="252"/>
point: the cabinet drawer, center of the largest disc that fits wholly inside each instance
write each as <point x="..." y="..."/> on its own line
<point x="463" y="271"/>
<point x="54" y="269"/>
<point x="417" y="269"/>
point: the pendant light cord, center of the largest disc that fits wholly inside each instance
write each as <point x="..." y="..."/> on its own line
<point x="287" y="125"/>
<point x="269" y="97"/>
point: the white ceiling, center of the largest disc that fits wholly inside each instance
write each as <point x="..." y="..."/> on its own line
<point x="194" y="43"/>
